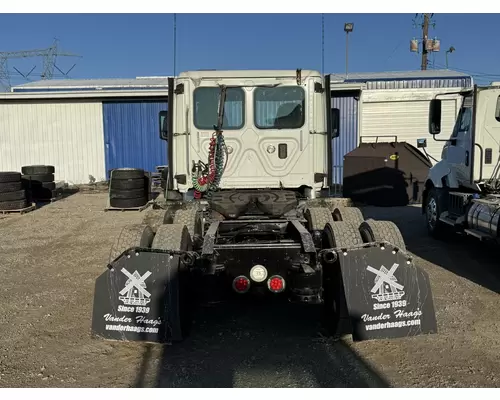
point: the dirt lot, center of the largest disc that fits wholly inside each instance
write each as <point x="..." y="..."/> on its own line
<point x="51" y="257"/>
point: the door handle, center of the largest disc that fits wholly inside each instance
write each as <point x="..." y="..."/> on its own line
<point x="466" y="158"/>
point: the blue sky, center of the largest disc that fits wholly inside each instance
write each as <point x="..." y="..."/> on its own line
<point x="130" y="45"/>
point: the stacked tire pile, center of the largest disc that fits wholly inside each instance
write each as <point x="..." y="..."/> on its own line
<point x="12" y="194"/>
<point x="128" y="188"/>
<point x="39" y="182"/>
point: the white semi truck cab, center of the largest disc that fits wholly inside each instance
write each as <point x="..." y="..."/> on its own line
<point x="277" y="130"/>
<point x="462" y="190"/>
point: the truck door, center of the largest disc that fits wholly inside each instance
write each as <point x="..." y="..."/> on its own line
<point x="459" y="151"/>
<point x="266" y="132"/>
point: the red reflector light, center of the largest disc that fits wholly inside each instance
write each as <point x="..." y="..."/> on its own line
<point x="241" y="284"/>
<point x="276" y="284"/>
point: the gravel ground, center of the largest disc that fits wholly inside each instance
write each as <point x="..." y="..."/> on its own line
<point x="51" y="257"/>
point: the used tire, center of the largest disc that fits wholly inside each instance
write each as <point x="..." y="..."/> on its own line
<point x="137" y="235"/>
<point x="349" y="214"/>
<point x="9" y="176"/>
<point x="342" y="234"/>
<point x="41" y="193"/>
<point x="317" y="218"/>
<point x="375" y="231"/>
<point x="37" y="169"/>
<point x="127" y="173"/>
<point x="127" y="184"/>
<point x="10" y="187"/>
<point x="128" y="203"/>
<point x="13" y="205"/>
<point x="127" y="194"/>
<point x="13" y="196"/>
<point x="43" y="185"/>
<point x="191" y="218"/>
<point x="174" y="237"/>
<point x="39" y="178"/>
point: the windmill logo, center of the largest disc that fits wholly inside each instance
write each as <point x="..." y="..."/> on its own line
<point x="134" y="293"/>
<point x="386" y="286"/>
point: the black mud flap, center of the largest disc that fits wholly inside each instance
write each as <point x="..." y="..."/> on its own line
<point x="387" y="295"/>
<point x="137" y="298"/>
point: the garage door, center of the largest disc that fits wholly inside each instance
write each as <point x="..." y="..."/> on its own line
<point x="131" y="135"/>
<point x="408" y="120"/>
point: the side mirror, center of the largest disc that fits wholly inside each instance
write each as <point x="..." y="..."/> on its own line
<point x="435" y="117"/>
<point x="164" y="125"/>
<point x="335" y="118"/>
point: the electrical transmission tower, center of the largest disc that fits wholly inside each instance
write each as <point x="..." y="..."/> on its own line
<point x="48" y="55"/>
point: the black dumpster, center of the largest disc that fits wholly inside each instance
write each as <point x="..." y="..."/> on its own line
<point x="385" y="174"/>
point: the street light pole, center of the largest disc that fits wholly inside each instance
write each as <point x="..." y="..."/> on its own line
<point x="450" y="50"/>
<point x="348" y="27"/>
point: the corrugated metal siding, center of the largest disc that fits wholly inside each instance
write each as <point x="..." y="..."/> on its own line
<point x="66" y="135"/>
<point x="348" y="138"/>
<point x="408" y="120"/>
<point x="131" y="135"/>
<point x="464" y="82"/>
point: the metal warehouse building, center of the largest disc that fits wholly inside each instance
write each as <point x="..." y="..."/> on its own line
<point x="83" y="127"/>
<point x="87" y="127"/>
<point x="392" y="105"/>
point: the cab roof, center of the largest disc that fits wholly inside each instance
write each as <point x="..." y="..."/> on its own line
<point x="218" y="74"/>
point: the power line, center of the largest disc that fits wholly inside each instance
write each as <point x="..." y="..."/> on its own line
<point x="48" y="55"/>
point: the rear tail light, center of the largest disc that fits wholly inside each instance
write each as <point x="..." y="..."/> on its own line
<point x="241" y="284"/>
<point x="276" y="284"/>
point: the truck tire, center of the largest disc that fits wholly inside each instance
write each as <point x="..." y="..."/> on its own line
<point x="375" y="231"/>
<point x="330" y="202"/>
<point x="336" y="321"/>
<point x="317" y="218"/>
<point x="7" y="177"/>
<point x="13" y="205"/>
<point x="172" y="237"/>
<point x="191" y="218"/>
<point x="154" y="218"/>
<point x="127" y="184"/>
<point x="10" y="187"/>
<point x="137" y="235"/>
<point x="39" y="178"/>
<point x="343" y="234"/>
<point x="37" y="169"/>
<point x="127" y="194"/>
<point x="349" y="214"/>
<point x="127" y="173"/>
<point x="128" y="203"/>
<point x="176" y="237"/>
<point x="13" y="196"/>
<point x="433" y="209"/>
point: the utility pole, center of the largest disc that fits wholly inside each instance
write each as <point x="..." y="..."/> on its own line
<point x="428" y="45"/>
<point x="425" y="35"/>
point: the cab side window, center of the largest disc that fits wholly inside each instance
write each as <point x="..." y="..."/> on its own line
<point x="497" y="110"/>
<point x="464" y="120"/>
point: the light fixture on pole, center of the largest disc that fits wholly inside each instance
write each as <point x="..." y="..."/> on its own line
<point x="450" y="50"/>
<point x="348" y="28"/>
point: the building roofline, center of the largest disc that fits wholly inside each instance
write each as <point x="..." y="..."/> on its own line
<point x="89" y="95"/>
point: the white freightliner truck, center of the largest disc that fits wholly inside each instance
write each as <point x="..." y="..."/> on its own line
<point x="248" y="155"/>
<point x="462" y="191"/>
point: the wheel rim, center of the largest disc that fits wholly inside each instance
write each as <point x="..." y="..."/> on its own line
<point x="432" y="213"/>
